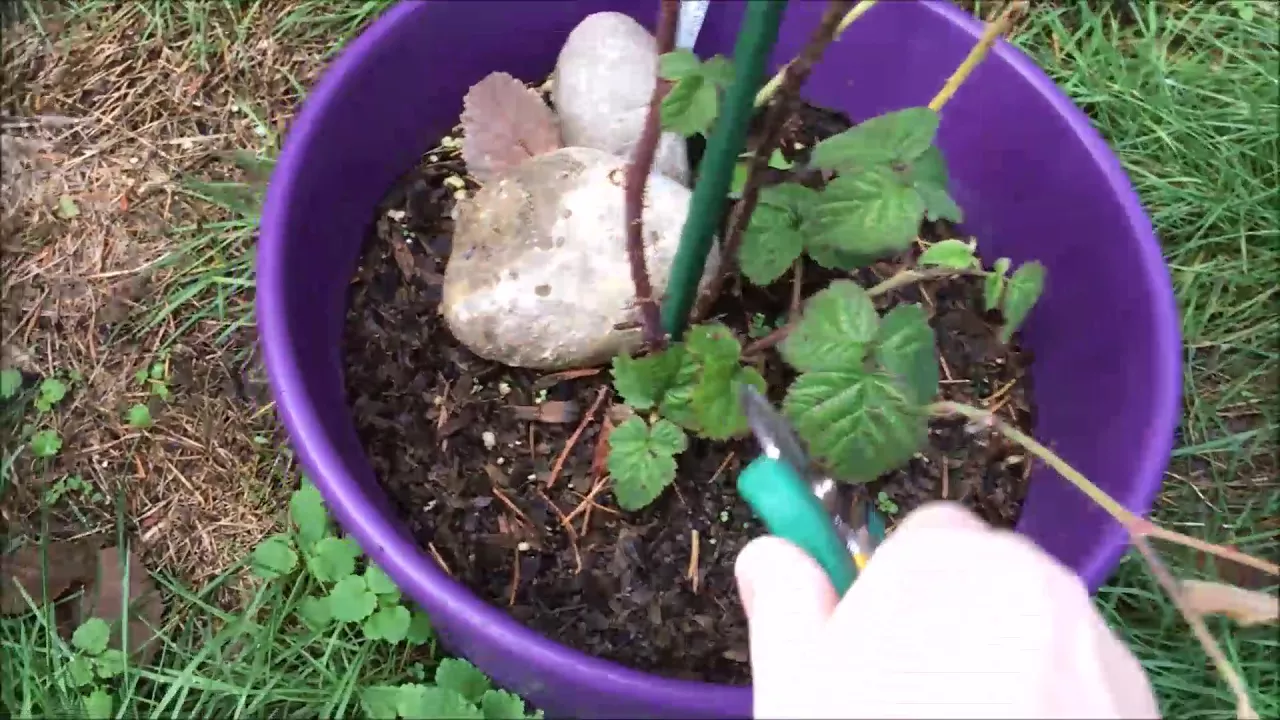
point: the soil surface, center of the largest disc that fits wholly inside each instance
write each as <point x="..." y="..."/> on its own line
<point x="467" y="449"/>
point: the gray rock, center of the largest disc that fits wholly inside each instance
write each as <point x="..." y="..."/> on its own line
<point x="538" y="276"/>
<point x="603" y="80"/>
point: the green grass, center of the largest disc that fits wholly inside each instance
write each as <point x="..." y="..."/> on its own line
<point x="1187" y="96"/>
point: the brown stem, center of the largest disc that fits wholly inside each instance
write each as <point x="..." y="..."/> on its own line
<point x="774" y="123"/>
<point x="797" y="290"/>
<point x="1196" y="621"/>
<point x="637" y="178"/>
<point x="993" y="31"/>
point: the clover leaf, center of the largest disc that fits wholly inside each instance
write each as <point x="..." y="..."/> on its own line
<point x="350" y="600"/>
<point x="462" y="677"/>
<point x="502" y="705"/>
<point x="333" y="558"/>
<point x="388" y="623"/>
<point x="425" y="701"/>
<point x="642" y="460"/>
<point x="274" y="557"/>
<point x="306" y="510"/>
<point x="92" y="636"/>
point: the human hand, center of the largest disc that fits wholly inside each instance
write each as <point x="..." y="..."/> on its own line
<point x="951" y="619"/>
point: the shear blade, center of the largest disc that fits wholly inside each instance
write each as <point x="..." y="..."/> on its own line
<point x="772" y="430"/>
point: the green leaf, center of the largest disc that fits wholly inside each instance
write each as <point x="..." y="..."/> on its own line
<point x="794" y="198"/>
<point x="388" y="623"/>
<point x="859" y="423"/>
<point x="993" y="288"/>
<point x="929" y="169"/>
<point x="350" y="601"/>
<point x="833" y="333"/>
<point x="938" y="203"/>
<point x="718" y="71"/>
<point x="501" y="705"/>
<point x="274" y="557"/>
<point x="678" y="64"/>
<point x="67" y="207"/>
<point x="834" y="258"/>
<point x="739" y="180"/>
<point x="46" y="443"/>
<point x="869" y="212"/>
<point x="643" y="381"/>
<point x="333" y="558"/>
<point x="463" y="678"/>
<point x="895" y="137"/>
<point x="954" y="254"/>
<point x="138" y="416"/>
<point x="420" y="631"/>
<point x="713" y="344"/>
<point x="424" y="701"/>
<point x="315" y="612"/>
<point x="111" y="663"/>
<point x="306" y="509"/>
<point x="641" y="460"/>
<point x="906" y="349"/>
<point x="690" y="107"/>
<point x="98" y="704"/>
<point x="677" y="402"/>
<point x="716" y="401"/>
<point x="92" y="636"/>
<point x="778" y="162"/>
<point x="52" y="391"/>
<point x="1020" y="295"/>
<point x="80" y="670"/>
<point x="10" y="383"/>
<point x="381" y="701"/>
<point x="379" y="582"/>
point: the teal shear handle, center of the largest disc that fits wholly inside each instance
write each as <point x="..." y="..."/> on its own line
<point x="789" y="509"/>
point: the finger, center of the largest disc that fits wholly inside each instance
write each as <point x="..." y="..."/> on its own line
<point x="788" y="600"/>
<point x="942" y="515"/>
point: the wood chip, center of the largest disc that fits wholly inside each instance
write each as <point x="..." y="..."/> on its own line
<point x="555" y="412"/>
<point x="548" y="381"/>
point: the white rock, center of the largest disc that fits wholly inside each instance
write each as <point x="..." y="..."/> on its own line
<point x="603" y="80"/>
<point x="538" y="276"/>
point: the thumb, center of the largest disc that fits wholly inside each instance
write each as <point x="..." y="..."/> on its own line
<point x="788" y="600"/>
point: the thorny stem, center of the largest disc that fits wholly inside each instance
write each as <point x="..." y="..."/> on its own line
<point x="1139" y="530"/>
<point x="994" y="30"/>
<point x="793" y="76"/>
<point x="771" y="87"/>
<point x="637" y="178"/>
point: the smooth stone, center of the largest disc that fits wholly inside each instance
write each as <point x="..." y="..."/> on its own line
<point x="603" y="80"/>
<point x="539" y="276"/>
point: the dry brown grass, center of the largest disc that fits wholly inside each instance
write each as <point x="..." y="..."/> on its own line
<point x="104" y="113"/>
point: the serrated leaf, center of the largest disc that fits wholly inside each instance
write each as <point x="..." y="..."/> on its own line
<point x="792" y="197"/>
<point x="501" y="705"/>
<point x="274" y="557"/>
<point x="420" y="630"/>
<point x="678" y="64"/>
<point x="10" y="383"/>
<point x="333" y="558"/>
<point x="52" y="391"/>
<point x="717" y="404"/>
<point x="389" y="623"/>
<point x="938" y="203"/>
<point x="315" y="612"/>
<point x="642" y="460"/>
<point x="767" y="252"/>
<point x="46" y="443"/>
<point x="306" y="509"/>
<point x="954" y="254"/>
<point x="905" y="348"/>
<point x="643" y="381"/>
<point x="138" y="416"/>
<point x="381" y="701"/>
<point x="833" y="333"/>
<point x="425" y="701"/>
<point x="713" y="344"/>
<point x="504" y="123"/>
<point x="111" y="663"/>
<point x="350" y="601"/>
<point x="836" y="258"/>
<point x="895" y="137"/>
<point x="870" y="212"/>
<point x="92" y="636"/>
<point x="993" y="287"/>
<point x="463" y="678"/>
<point x="718" y="71"/>
<point x="1020" y="295"/>
<point x="677" y="402"/>
<point x="98" y="704"/>
<point x="690" y="106"/>
<point x="859" y="423"/>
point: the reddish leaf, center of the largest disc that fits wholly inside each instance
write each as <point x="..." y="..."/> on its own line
<point x="503" y="124"/>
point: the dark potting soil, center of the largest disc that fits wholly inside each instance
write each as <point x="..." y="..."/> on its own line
<point x="467" y="448"/>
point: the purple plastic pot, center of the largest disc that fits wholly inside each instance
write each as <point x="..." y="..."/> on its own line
<point x="1035" y="180"/>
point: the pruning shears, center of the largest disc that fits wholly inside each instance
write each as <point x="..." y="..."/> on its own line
<point x="800" y="503"/>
